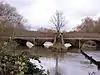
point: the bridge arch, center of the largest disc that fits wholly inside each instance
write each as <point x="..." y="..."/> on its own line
<point x="89" y="45"/>
<point x="22" y="42"/>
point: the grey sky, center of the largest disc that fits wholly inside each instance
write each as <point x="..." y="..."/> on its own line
<point x="39" y="12"/>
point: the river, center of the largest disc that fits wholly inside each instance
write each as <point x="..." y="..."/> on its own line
<point x="69" y="63"/>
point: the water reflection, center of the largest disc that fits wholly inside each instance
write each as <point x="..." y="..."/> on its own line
<point x="69" y="63"/>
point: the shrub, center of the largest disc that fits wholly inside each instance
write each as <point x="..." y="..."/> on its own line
<point x="12" y="63"/>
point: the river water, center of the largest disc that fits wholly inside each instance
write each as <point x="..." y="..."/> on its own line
<point x="69" y="63"/>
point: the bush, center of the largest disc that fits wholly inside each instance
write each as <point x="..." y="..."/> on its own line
<point x="12" y="63"/>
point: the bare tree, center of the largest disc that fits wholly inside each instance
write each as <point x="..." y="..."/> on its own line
<point x="58" y="20"/>
<point x="87" y="25"/>
<point x="10" y="19"/>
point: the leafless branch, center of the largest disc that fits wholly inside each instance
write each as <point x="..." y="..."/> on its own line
<point x="58" y="20"/>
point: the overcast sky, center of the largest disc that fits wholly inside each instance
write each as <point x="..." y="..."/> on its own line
<point x="39" y="12"/>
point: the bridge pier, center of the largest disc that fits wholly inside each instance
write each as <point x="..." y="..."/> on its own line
<point x="38" y="42"/>
<point x="79" y="46"/>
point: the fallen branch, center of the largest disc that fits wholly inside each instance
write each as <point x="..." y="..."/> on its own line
<point x="97" y="63"/>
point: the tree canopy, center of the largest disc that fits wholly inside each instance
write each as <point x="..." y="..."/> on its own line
<point x="10" y="18"/>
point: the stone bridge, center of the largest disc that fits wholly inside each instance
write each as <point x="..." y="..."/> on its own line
<point x="38" y="38"/>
